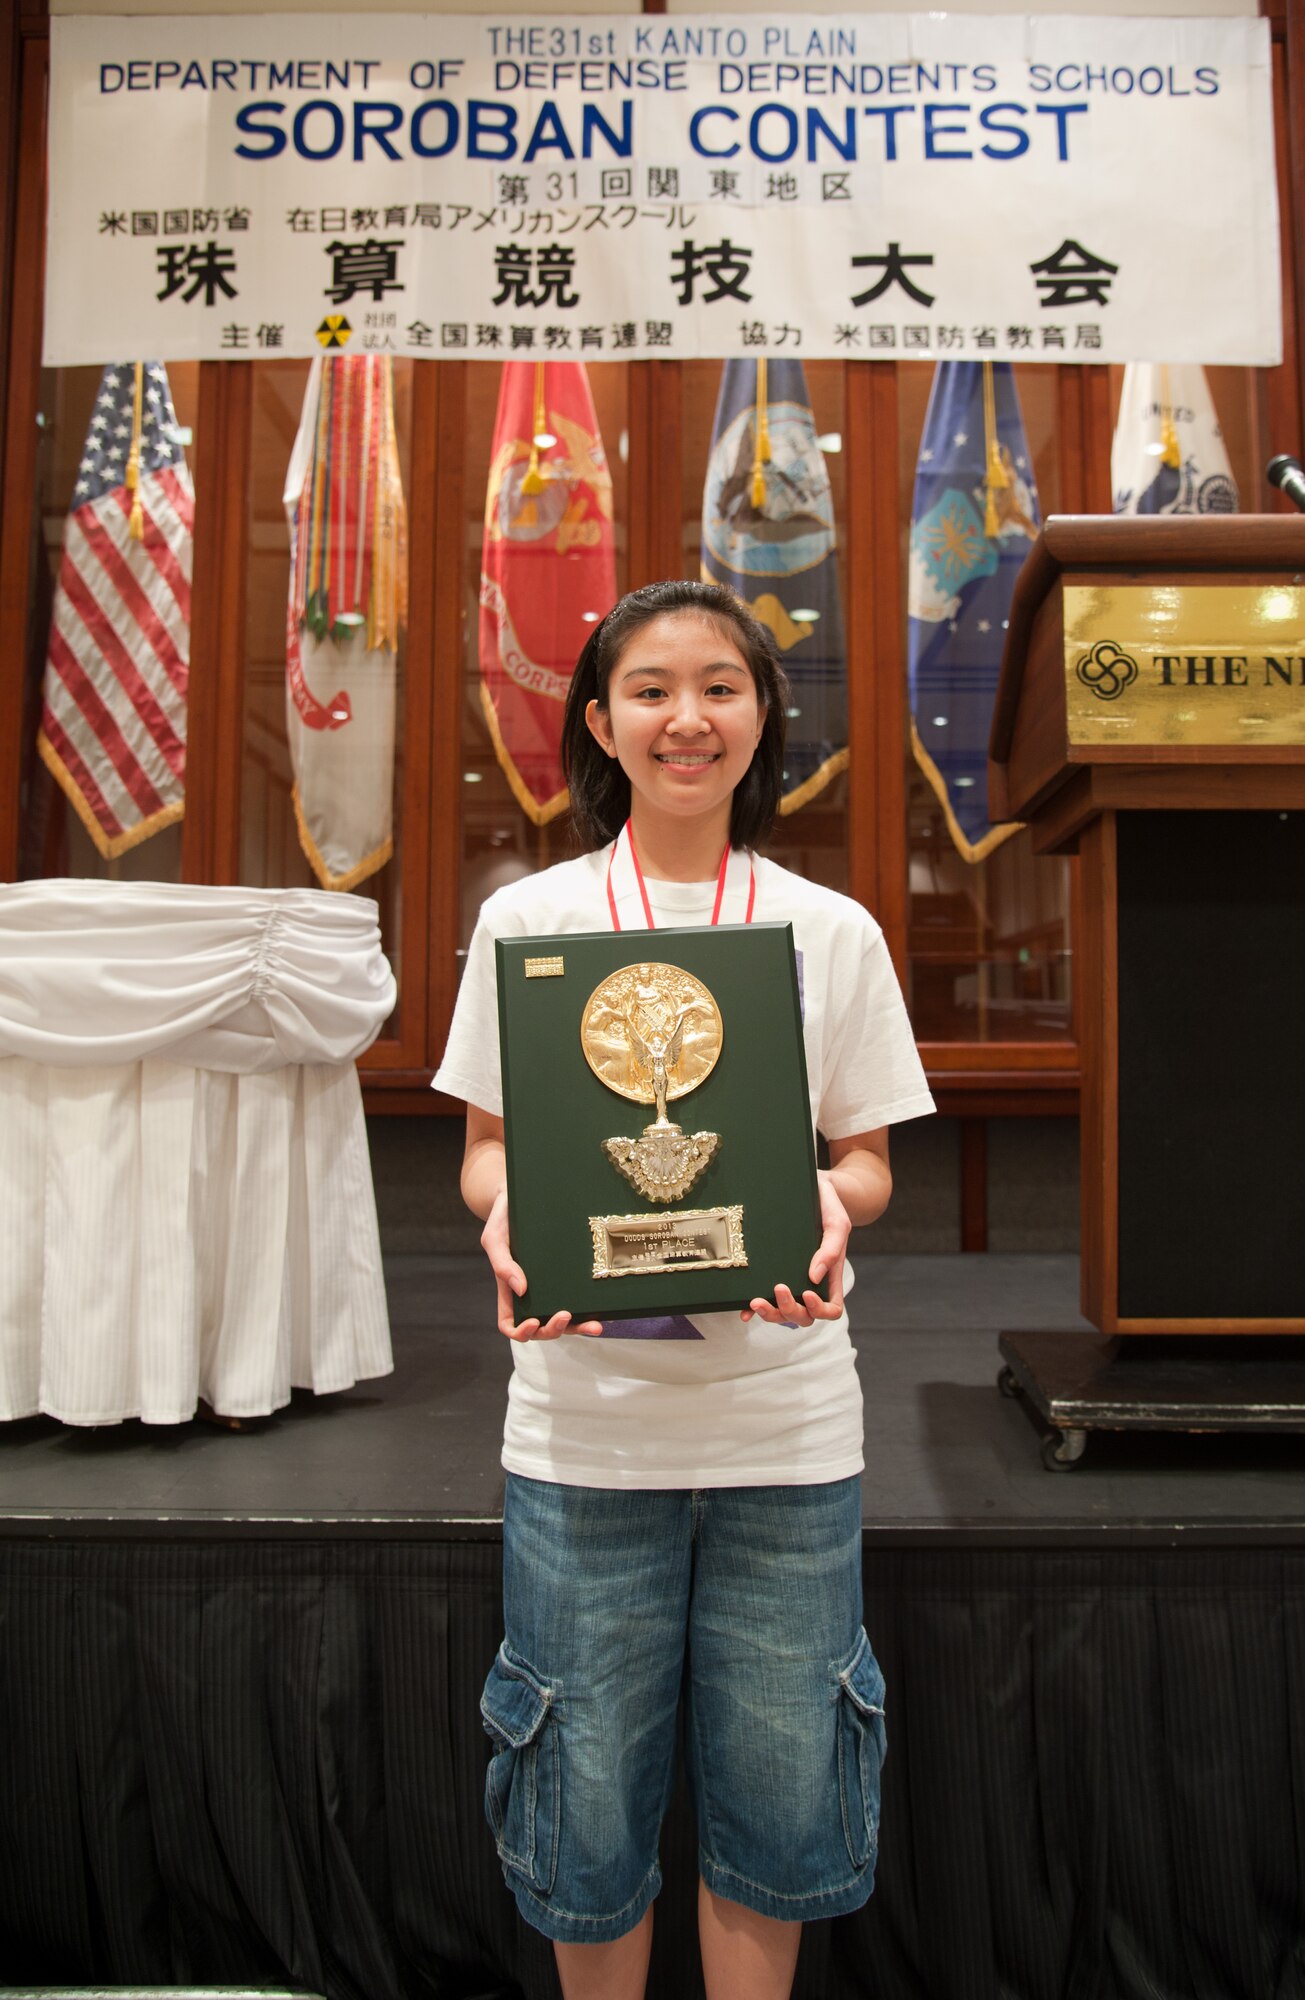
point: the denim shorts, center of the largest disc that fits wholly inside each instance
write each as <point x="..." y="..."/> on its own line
<point x="746" y="1602"/>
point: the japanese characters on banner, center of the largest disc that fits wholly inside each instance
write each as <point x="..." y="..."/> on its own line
<point x="928" y="185"/>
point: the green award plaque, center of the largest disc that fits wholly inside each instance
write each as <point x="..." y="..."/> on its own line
<point x="659" y="1148"/>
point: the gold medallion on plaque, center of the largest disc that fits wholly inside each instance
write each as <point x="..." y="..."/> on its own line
<point x="653" y="1033"/>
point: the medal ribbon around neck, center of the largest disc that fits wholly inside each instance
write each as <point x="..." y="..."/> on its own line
<point x="731" y="884"/>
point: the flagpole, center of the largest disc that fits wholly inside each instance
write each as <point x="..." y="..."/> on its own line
<point x="984" y="965"/>
<point x="136" y="520"/>
<point x="761" y="453"/>
<point x="995" y="478"/>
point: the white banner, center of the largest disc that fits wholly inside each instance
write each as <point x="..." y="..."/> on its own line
<point x="922" y="186"/>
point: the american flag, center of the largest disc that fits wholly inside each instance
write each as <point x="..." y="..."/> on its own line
<point x="113" y="722"/>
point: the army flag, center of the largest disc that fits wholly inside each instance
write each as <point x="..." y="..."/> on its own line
<point x="113" y="713"/>
<point x="768" y="534"/>
<point x="347" y="601"/>
<point x="974" y="515"/>
<point x="1168" y="455"/>
<point x="548" y="569"/>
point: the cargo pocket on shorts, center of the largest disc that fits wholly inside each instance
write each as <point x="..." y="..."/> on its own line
<point x="861" y="1744"/>
<point x="522" y="1785"/>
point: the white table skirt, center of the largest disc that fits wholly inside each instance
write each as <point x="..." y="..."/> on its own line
<point x="186" y="1203"/>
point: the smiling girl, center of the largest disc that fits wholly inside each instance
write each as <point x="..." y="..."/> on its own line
<point x="682" y="1512"/>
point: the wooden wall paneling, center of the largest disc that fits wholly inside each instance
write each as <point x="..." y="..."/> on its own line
<point x="997" y="1093"/>
<point x="639" y="529"/>
<point x="876" y="654"/>
<point x="449" y="592"/>
<point x="1097" y="970"/>
<point x="420" y="802"/>
<point x="1096" y="495"/>
<point x="950" y="1060"/>
<point x="22" y="389"/>
<point x="1085" y="422"/>
<point x="1069" y="419"/>
<point x="210" y="833"/>
<point x="656" y="426"/>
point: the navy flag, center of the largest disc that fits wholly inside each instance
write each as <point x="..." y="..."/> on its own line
<point x="768" y="535"/>
<point x="1168" y="454"/>
<point x="973" y="518"/>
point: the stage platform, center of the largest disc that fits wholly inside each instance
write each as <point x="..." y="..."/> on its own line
<point x="240" y="1671"/>
<point x="949" y="1462"/>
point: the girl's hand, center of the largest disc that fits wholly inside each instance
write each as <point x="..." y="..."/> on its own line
<point x="785" y="1308"/>
<point x="511" y="1282"/>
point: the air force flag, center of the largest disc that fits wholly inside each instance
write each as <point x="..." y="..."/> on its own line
<point x="974" y="516"/>
<point x="768" y="535"/>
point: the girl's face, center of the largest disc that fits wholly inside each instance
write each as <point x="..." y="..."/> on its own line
<point x="683" y="716"/>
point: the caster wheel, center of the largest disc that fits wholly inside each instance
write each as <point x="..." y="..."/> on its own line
<point x="1062" y="1450"/>
<point x="1006" y="1382"/>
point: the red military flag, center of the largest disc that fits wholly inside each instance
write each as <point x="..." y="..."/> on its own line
<point x="348" y="598"/>
<point x="113" y="719"/>
<point x="548" y="569"/>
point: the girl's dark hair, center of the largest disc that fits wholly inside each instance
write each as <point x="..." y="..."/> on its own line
<point x="600" y="790"/>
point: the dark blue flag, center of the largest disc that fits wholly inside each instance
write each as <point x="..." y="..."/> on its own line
<point x="973" y="518"/>
<point x="768" y="534"/>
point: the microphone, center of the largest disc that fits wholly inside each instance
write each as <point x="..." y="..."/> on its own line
<point x="1288" y="475"/>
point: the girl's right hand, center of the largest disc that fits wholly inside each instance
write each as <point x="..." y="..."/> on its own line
<point x="511" y="1282"/>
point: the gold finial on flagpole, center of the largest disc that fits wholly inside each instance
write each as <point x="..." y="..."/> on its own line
<point x="996" y="479"/>
<point x="533" y="482"/>
<point x="136" y="521"/>
<point x="761" y="454"/>
<point x="532" y="479"/>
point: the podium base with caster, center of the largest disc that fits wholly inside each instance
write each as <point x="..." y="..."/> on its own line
<point x="1080" y="1382"/>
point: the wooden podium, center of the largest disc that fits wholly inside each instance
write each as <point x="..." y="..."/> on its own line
<point x="1151" y="717"/>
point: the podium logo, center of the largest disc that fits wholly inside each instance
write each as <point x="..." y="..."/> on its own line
<point x="1106" y="671"/>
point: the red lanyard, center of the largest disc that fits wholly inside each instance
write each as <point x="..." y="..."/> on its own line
<point x="628" y="831"/>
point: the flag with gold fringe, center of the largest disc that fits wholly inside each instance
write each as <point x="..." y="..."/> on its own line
<point x="1168" y="455"/>
<point x="768" y="534"/>
<point x="113" y="715"/>
<point x="548" y="569"/>
<point x="347" y="601"/>
<point x="974" y="516"/>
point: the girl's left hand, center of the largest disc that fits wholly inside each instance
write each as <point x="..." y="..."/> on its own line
<point x="785" y="1308"/>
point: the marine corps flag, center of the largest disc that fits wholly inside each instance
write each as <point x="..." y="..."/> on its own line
<point x="548" y="569"/>
<point x="1168" y="454"/>
<point x="348" y="598"/>
<point x="974" y="515"/>
<point x="768" y="534"/>
<point x="113" y="716"/>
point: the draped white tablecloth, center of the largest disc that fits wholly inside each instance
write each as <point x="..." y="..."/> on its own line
<point x="186" y="1201"/>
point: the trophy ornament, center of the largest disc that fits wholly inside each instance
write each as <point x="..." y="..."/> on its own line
<point x="653" y="1033"/>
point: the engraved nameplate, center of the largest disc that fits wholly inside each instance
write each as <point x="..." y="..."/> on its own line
<point x="692" y="1238"/>
<point x="545" y="968"/>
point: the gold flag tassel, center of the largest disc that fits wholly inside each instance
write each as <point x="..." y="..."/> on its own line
<point x="1169" y="452"/>
<point x="136" y="520"/>
<point x="996" y="479"/>
<point x="389" y="599"/>
<point x="761" y="458"/>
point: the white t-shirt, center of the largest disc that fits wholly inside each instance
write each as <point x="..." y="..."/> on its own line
<point x="742" y="1404"/>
